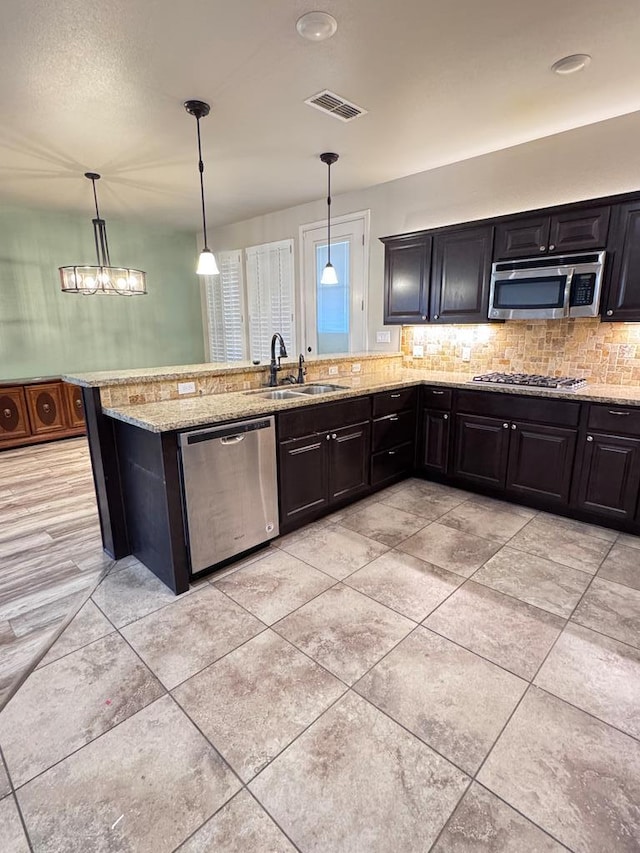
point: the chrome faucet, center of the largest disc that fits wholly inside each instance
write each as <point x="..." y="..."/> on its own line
<point x="274" y="366"/>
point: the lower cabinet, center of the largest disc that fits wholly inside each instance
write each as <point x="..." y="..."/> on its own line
<point x="14" y="420"/>
<point x="481" y="450"/>
<point x="39" y="410"/>
<point x="610" y="476"/>
<point x="436" y="428"/>
<point x="46" y="408"/>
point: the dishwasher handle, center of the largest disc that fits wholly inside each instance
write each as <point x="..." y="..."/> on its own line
<point x="227" y="434"/>
<point x="232" y="439"/>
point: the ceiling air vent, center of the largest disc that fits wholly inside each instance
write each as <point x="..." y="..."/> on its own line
<point x="336" y="106"/>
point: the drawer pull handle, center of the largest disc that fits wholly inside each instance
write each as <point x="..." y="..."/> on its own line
<point x="395" y="396"/>
<point x="589" y="438"/>
<point x="619" y="414"/>
<point x="394" y="418"/>
<point x="392" y="453"/>
<point x="439" y="393"/>
<point x="7" y="413"/>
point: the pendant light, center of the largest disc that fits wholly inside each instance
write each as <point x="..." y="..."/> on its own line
<point x="206" y="262"/>
<point x="329" y="275"/>
<point x="102" y="278"/>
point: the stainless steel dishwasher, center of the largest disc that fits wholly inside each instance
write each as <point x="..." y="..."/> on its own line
<point x="230" y="489"/>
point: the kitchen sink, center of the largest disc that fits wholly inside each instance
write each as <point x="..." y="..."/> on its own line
<point x="300" y="391"/>
<point x="320" y="389"/>
<point x="279" y="395"/>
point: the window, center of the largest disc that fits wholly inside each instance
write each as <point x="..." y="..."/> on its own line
<point x="270" y="296"/>
<point x="224" y="309"/>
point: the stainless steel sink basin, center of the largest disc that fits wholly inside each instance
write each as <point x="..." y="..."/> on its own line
<point x="279" y="395"/>
<point x="320" y="389"/>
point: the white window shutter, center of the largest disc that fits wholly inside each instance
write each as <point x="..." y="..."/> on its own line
<point x="225" y="322"/>
<point x="270" y="293"/>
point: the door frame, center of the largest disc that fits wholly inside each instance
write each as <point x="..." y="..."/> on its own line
<point x="360" y="215"/>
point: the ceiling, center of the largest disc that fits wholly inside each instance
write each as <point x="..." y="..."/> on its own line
<point x="100" y="86"/>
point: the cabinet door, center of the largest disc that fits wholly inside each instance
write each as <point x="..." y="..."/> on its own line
<point x="623" y="298"/>
<point x="435" y="440"/>
<point x="393" y="430"/>
<point x="522" y="238"/>
<point x="461" y="275"/>
<point x="75" y="407"/>
<point x="303" y="469"/>
<point x="349" y="450"/>
<point x="406" y="279"/>
<point x="541" y="461"/>
<point x="14" y="421"/>
<point x="576" y="230"/>
<point x="610" y="476"/>
<point x="46" y="408"/>
<point x="481" y="449"/>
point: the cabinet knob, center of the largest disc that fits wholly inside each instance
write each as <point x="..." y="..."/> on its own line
<point x="589" y="438"/>
<point x="513" y="426"/>
<point x="392" y="453"/>
<point x="543" y="248"/>
<point x="436" y="316"/>
<point x="6" y="413"/>
<point x="46" y="408"/>
<point x="445" y="417"/>
<point x="424" y="317"/>
<point x="609" y="313"/>
<point x="78" y="403"/>
<point x="328" y="437"/>
<point x="551" y="248"/>
<point x="333" y="435"/>
<point x="505" y="426"/>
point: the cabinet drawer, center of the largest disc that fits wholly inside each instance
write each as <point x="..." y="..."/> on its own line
<point x="14" y="422"/>
<point x="394" y="401"/>
<point x="615" y="419"/>
<point x="393" y="430"/>
<point x="321" y="417"/>
<point x="437" y="398"/>
<point x="512" y="408"/>
<point x="390" y="464"/>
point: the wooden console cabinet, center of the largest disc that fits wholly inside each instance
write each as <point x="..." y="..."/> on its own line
<point x="36" y="410"/>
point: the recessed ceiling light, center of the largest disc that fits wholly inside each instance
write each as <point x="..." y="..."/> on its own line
<point x="316" y="26"/>
<point x="571" y="64"/>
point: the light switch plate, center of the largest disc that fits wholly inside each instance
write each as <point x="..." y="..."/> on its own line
<point x="383" y="337"/>
<point x="333" y="370"/>
<point x="186" y="387"/>
<point x="418" y="351"/>
<point x="356" y="368"/>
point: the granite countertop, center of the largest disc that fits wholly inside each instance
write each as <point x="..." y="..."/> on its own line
<point x="140" y="375"/>
<point x="216" y="408"/>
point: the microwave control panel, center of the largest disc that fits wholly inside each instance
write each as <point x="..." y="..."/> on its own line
<point x="583" y="288"/>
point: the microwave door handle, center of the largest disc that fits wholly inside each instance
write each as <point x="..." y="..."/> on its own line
<point x="567" y="293"/>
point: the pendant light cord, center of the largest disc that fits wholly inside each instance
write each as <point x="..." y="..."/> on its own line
<point x="201" y="170"/>
<point x="328" y="213"/>
<point x="100" y="231"/>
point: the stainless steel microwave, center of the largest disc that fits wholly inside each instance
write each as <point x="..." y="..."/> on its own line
<point x="548" y="288"/>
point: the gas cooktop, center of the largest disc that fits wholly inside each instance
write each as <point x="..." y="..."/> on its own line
<point x="561" y="383"/>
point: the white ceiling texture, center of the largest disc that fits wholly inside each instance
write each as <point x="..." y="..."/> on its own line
<point x="88" y="85"/>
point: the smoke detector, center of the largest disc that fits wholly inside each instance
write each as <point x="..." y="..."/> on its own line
<point x="335" y="105"/>
<point x="316" y="26"/>
<point x="571" y="64"/>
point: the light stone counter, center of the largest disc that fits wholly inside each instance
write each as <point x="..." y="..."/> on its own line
<point x="215" y="408"/>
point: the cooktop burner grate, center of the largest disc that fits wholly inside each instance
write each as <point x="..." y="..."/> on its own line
<point x="562" y="383"/>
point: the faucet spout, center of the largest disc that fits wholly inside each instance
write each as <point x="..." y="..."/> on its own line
<point x="274" y="365"/>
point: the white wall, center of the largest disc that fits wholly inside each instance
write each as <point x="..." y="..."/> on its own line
<point x="596" y="160"/>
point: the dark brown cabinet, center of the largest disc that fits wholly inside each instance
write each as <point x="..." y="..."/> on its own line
<point x="14" y="420"/>
<point x="622" y="301"/>
<point x="394" y="435"/>
<point x="349" y="450"/>
<point x="567" y="231"/>
<point x="460" y="277"/>
<point x="436" y="428"/>
<point x="481" y="450"/>
<point x="610" y="476"/>
<point x="540" y="461"/>
<point x="406" y="277"/>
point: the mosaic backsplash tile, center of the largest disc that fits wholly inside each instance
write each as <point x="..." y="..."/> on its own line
<point x="607" y="353"/>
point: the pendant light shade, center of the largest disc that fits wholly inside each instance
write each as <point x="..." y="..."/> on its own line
<point x="206" y="262"/>
<point x="329" y="275"/>
<point x="102" y="278"/>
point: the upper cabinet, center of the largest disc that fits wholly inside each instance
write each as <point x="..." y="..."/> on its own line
<point x="568" y="231"/>
<point x="439" y="279"/>
<point x="622" y="301"/>
<point x="461" y="271"/>
<point x="406" y="278"/>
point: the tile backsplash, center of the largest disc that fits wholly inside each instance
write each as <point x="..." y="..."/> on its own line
<point x="606" y="353"/>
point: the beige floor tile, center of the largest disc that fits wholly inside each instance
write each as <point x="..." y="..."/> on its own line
<point x="572" y="775"/>
<point x="355" y="782"/>
<point x="611" y="609"/>
<point x="484" y="824"/>
<point x="622" y="565"/>
<point x="580" y="527"/>
<point x="336" y="550"/>
<point x="144" y="786"/>
<point x="129" y="593"/>
<point x="242" y="825"/>
<point x="383" y="523"/>
<point x="546" y="537"/>
<point x="480" y="519"/>
<point x="508" y="632"/>
<point x="427" y="500"/>
<point x="536" y="580"/>
<point x="256" y="700"/>
<point x="274" y="586"/>
<point x="89" y="624"/>
<point x="597" y="674"/>
<point x="449" y="697"/>
<point x="5" y="785"/>
<point x="344" y="631"/>
<point x="450" y="549"/>
<point x="628" y="540"/>
<point x="178" y="641"/>
<point x="405" y="583"/>
<point x="65" y="705"/>
<point x="12" y="837"/>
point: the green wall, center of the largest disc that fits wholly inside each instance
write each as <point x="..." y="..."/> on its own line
<point x="46" y="332"/>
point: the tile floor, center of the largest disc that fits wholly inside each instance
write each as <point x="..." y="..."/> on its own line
<point x="428" y="670"/>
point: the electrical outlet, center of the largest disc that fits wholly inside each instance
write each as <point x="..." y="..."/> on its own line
<point x="356" y="368"/>
<point x="186" y="387"/>
<point x="383" y="337"/>
<point x="466" y="353"/>
<point x="333" y="370"/>
<point x="418" y="351"/>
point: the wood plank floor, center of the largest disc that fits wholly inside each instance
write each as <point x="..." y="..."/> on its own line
<point x="50" y="549"/>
